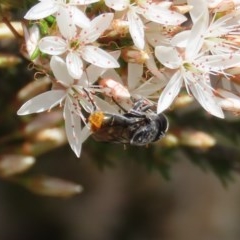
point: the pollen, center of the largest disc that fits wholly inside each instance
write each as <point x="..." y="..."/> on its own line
<point x="96" y="119"/>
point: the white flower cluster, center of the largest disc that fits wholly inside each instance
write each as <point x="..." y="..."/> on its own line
<point x="98" y="50"/>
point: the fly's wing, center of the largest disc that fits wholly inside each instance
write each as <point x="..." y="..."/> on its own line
<point x="113" y="134"/>
<point x="118" y="128"/>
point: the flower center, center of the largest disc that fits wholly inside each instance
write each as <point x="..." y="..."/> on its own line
<point x="191" y="67"/>
<point x="75" y="44"/>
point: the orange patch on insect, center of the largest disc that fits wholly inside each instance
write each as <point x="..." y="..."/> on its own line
<point x="96" y="120"/>
<point x="116" y="89"/>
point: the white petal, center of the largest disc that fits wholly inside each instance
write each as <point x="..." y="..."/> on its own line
<point x="65" y="22"/>
<point x="196" y="38"/>
<point x="112" y="74"/>
<point x="99" y="57"/>
<point x="154" y="35"/>
<point x="93" y="72"/>
<point x="199" y="8"/>
<point x="181" y="39"/>
<point x="136" y="29"/>
<point x="168" y="56"/>
<point x="218" y="62"/>
<point x="105" y="106"/>
<point x="74" y="65"/>
<point x="86" y="103"/>
<point x="42" y="102"/>
<point x="206" y="98"/>
<point x="149" y="87"/>
<point x="117" y="5"/>
<point x="85" y="133"/>
<point x="170" y="92"/>
<point x="80" y="19"/>
<point x="158" y="14"/>
<point x="220" y="47"/>
<point x="60" y="71"/>
<point x="73" y="128"/>
<point x="116" y="54"/>
<point x="135" y="72"/>
<point x="52" y="45"/>
<point x="97" y="26"/>
<point x="151" y="65"/>
<point x="224" y="25"/>
<point x="41" y="10"/>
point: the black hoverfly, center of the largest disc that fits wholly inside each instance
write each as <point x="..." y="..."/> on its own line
<point x="139" y="126"/>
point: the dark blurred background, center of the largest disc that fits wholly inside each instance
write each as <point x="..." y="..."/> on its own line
<point x="124" y="201"/>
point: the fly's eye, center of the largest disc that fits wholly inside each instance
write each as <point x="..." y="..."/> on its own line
<point x="163" y="123"/>
<point x="96" y="120"/>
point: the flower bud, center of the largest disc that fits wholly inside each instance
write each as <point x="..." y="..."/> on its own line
<point x="11" y="164"/>
<point x="43" y="121"/>
<point x="114" y="89"/>
<point x="134" y="55"/>
<point x="118" y="28"/>
<point x="56" y="135"/>
<point x="169" y="140"/>
<point x="197" y="139"/>
<point x="183" y="101"/>
<point x="5" y="31"/>
<point x="8" y="60"/>
<point x="183" y="9"/>
<point x="32" y="37"/>
<point x="228" y="101"/>
<point x="51" y="186"/>
<point x="44" y="141"/>
<point x="34" y="88"/>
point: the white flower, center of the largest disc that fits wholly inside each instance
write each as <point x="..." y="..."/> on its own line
<point x="214" y="31"/>
<point x="193" y="68"/>
<point x="156" y="12"/>
<point x="66" y="12"/>
<point x="73" y="95"/>
<point x="215" y="35"/>
<point x="67" y="93"/>
<point x="81" y="46"/>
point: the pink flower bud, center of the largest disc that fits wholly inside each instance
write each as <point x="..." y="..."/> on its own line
<point x="114" y="89"/>
<point x="11" y="164"/>
<point x="51" y="186"/>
